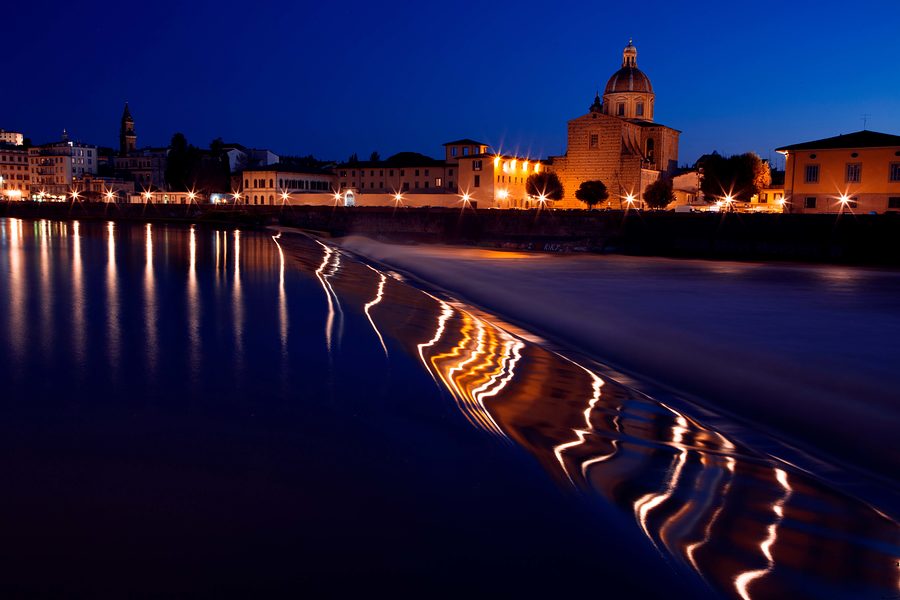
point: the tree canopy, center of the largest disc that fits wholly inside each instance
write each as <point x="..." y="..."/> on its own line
<point x="546" y="184"/>
<point x="592" y="193"/>
<point x="659" y="194"/>
<point x="190" y="168"/>
<point x="741" y="175"/>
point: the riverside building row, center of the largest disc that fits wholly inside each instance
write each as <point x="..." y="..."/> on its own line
<point x="617" y="142"/>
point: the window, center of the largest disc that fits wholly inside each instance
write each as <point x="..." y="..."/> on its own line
<point x="478" y="181"/>
<point x="450" y="172"/>
<point x="894" y="202"/>
<point x="764" y="198"/>
<point x="416" y="185"/>
<point x="476" y="165"/>
<point x="620" y="109"/>
<point x="853" y="202"/>
<point x="271" y="183"/>
<point x="405" y="186"/>
<point x="466" y="151"/>
<point x="854" y="171"/>
<point x="810" y="202"/>
<point x="640" y="109"/>
<point x="453" y="150"/>
<point x="391" y="173"/>
<point x="402" y="172"/>
<point x="426" y="172"/>
<point x="426" y="185"/>
<point x="595" y="140"/>
<point x="812" y="174"/>
<point x="438" y="182"/>
<point x="450" y="185"/>
<point x="417" y="172"/>
<point x="895" y="171"/>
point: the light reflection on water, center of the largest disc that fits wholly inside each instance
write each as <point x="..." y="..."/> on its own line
<point x="745" y="524"/>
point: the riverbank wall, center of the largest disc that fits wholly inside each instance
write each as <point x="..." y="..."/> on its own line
<point x="845" y="238"/>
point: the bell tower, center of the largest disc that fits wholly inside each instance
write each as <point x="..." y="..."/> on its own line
<point x="127" y="136"/>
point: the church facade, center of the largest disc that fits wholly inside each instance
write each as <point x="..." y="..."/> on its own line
<point x="617" y="141"/>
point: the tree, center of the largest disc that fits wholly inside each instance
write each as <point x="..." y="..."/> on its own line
<point x="659" y="194"/>
<point x="179" y="163"/>
<point x="546" y="184"/>
<point x="592" y="193"/>
<point x="740" y="176"/>
<point x="375" y="157"/>
<point x="353" y="159"/>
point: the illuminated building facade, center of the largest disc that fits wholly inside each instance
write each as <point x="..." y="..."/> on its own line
<point x="857" y="171"/>
<point x="497" y="180"/>
<point x="103" y="189"/>
<point x="11" y="137"/>
<point x="53" y="167"/>
<point x="15" y="178"/>
<point x="617" y="141"/>
<point x="280" y="184"/>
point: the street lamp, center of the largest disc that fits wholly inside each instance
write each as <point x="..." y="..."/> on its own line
<point x="285" y="197"/>
<point x="110" y="195"/>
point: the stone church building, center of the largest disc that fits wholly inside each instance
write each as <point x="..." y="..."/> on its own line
<point x="617" y="141"/>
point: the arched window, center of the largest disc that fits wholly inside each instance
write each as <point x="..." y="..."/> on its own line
<point x="271" y="183"/>
<point x="271" y="200"/>
<point x="650" y="147"/>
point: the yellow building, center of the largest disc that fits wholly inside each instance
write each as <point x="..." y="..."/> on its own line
<point x="497" y="180"/>
<point x="15" y="176"/>
<point x="857" y="171"/>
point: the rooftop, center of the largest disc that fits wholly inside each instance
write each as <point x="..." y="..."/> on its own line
<point x="399" y="160"/>
<point x="287" y="168"/>
<point x="859" y="139"/>
<point x="465" y="142"/>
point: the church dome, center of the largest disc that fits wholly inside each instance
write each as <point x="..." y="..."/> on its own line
<point x="628" y="79"/>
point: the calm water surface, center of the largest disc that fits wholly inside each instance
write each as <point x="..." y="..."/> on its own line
<point x="219" y="411"/>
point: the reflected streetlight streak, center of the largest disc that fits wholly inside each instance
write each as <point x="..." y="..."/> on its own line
<point x="112" y="297"/>
<point x="78" y="300"/>
<point x="334" y="304"/>
<point x="236" y="306"/>
<point x="512" y="354"/>
<point x="691" y="549"/>
<point x="581" y="434"/>
<point x="149" y="299"/>
<point x="742" y="582"/>
<point x="474" y="412"/>
<point x="282" y="299"/>
<point x="648" y="502"/>
<point x="378" y="298"/>
<point x="193" y="306"/>
<point x="17" y="289"/>
<point x="446" y="313"/>
<point x="46" y="292"/>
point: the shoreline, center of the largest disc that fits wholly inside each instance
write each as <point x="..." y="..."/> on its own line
<point x="861" y="240"/>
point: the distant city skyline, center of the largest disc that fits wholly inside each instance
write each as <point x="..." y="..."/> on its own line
<point x="314" y="79"/>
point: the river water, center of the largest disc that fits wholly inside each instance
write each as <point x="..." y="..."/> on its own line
<point x="198" y="410"/>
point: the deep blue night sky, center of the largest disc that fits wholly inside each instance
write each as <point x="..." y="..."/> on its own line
<point x="335" y="78"/>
